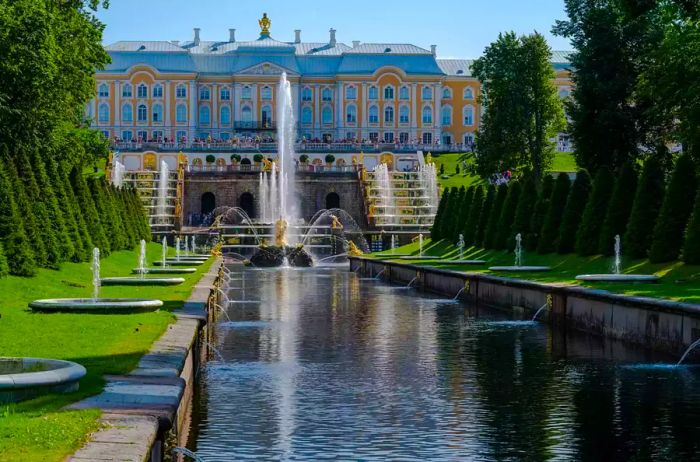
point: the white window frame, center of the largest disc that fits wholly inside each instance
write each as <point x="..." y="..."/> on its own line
<point x="404" y="118"/>
<point x="351" y="92"/>
<point x="127" y="91"/>
<point x="404" y="93"/>
<point x="205" y="93"/>
<point x="157" y="91"/>
<point x="204" y="109"/>
<point x="351" y="114"/>
<point x="427" y="115"/>
<point x="389" y="115"/>
<point x="142" y="91"/>
<point x="142" y="113"/>
<point x="307" y="94"/>
<point x="373" y="118"/>
<point x="225" y="94"/>
<point x="103" y="113"/>
<point x="127" y="108"/>
<point x="227" y="119"/>
<point x="157" y="113"/>
<point x="392" y="93"/>
<point x="446" y="110"/>
<point x="427" y="93"/>
<point x="266" y="93"/>
<point x="181" y="91"/>
<point x="465" y="110"/>
<point x="327" y="109"/>
<point x="180" y="110"/>
<point x="373" y="93"/>
<point x="307" y="120"/>
<point x="103" y="90"/>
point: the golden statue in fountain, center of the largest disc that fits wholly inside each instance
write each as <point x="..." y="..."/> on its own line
<point x="354" y="250"/>
<point x="265" y="24"/>
<point x="335" y="223"/>
<point x="281" y="233"/>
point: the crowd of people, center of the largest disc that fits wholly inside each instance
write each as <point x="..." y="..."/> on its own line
<point x="500" y="178"/>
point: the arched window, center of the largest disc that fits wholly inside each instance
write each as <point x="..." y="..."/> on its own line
<point x="208" y="199"/>
<point x="225" y="117"/>
<point x="404" y="115"/>
<point x="306" y="94"/>
<point x="103" y="90"/>
<point x="158" y="91"/>
<point x="142" y="91"/>
<point x="427" y="115"/>
<point x="266" y="116"/>
<point x="246" y="114"/>
<point x="204" y="115"/>
<point x="351" y="92"/>
<point x="389" y="115"/>
<point x="266" y="93"/>
<point x="126" y="91"/>
<point x="327" y="95"/>
<point x="246" y="92"/>
<point x="388" y="92"/>
<point x="373" y="115"/>
<point x="157" y="113"/>
<point x="351" y="114"/>
<point x="447" y="115"/>
<point x="181" y="91"/>
<point x="373" y="92"/>
<point x="306" y="115"/>
<point x="404" y="93"/>
<point x="447" y="138"/>
<point x="327" y="115"/>
<point x="225" y="94"/>
<point x="181" y="113"/>
<point x="332" y="201"/>
<point x="446" y="93"/>
<point x="103" y="114"/>
<point x="204" y="94"/>
<point x="142" y="113"/>
<point x="427" y="93"/>
<point x="127" y="113"/>
<point x="468" y="115"/>
<point x="468" y="93"/>
<point x="247" y="203"/>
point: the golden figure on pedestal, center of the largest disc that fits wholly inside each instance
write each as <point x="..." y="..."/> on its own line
<point x="265" y="24"/>
<point x="281" y="233"/>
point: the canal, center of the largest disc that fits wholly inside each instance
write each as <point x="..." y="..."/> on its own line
<point x="322" y="364"/>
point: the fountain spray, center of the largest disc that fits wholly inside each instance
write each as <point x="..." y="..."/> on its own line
<point x="187" y="246"/>
<point x="164" y="254"/>
<point x="618" y="257"/>
<point x="518" y="250"/>
<point x="177" y="248"/>
<point x="420" y="245"/>
<point x="460" y="246"/>
<point x="96" y="283"/>
<point x="142" y="259"/>
<point x="193" y="246"/>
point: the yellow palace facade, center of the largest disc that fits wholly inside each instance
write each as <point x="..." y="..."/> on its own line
<point x="226" y="91"/>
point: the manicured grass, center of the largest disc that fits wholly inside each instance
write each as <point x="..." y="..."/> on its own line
<point x="678" y="281"/>
<point x="38" y="430"/>
<point x="564" y="162"/>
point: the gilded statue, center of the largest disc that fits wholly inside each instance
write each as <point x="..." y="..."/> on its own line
<point x="267" y="165"/>
<point x="217" y="222"/>
<point x="335" y="223"/>
<point x="281" y="233"/>
<point x="353" y="250"/>
<point x="265" y="24"/>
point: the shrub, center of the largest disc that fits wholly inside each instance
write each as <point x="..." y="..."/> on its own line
<point x="472" y="224"/>
<point x="4" y="268"/>
<point x="505" y="221"/>
<point x="618" y="214"/>
<point x="645" y="210"/>
<point x="691" y="248"/>
<point x="87" y="206"/>
<point x="539" y="211"/>
<point x="588" y="236"/>
<point x="235" y="158"/>
<point x="303" y="158"/>
<point x="330" y="158"/>
<point x="494" y="217"/>
<point x="74" y="207"/>
<point x="439" y="215"/>
<point x="258" y="158"/>
<point x="457" y="169"/>
<point x="523" y="213"/>
<point x="461" y="214"/>
<point x="484" y="216"/>
<point x="210" y="159"/>
<point x="675" y="212"/>
<point x="19" y="254"/>
<point x="575" y="203"/>
<point x="450" y="207"/>
<point x="64" y="203"/>
<point x="442" y="169"/>
<point x="552" y="220"/>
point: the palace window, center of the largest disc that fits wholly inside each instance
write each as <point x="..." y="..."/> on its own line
<point x="225" y="94"/>
<point x="351" y="92"/>
<point x="306" y="116"/>
<point x="142" y="91"/>
<point x="446" y="93"/>
<point x="427" y="138"/>
<point x="246" y="114"/>
<point x="427" y="115"/>
<point x="468" y="115"/>
<point x="181" y="91"/>
<point x="373" y="93"/>
<point x="157" y="113"/>
<point x="103" y="113"/>
<point x="351" y="114"/>
<point x="374" y="137"/>
<point x="103" y="91"/>
<point x="404" y="93"/>
<point x="246" y="92"/>
<point x="306" y="94"/>
<point x="127" y="113"/>
<point x="389" y="92"/>
<point x="389" y="115"/>
<point x="204" y="115"/>
<point x="204" y="94"/>
<point x="266" y="116"/>
<point x="327" y="115"/>
<point x="158" y="91"/>
<point x="403" y="137"/>
<point x="126" y="91"/>
<point x="468" y="93"/>
<point x="142" y="135"/>
<point x="142" y="113"/>
<point x="225" y="117"/>
<point x="327" y="95"/>
<point x="351" y="136"/>
<point x="266" y="93"/>
<point x="181" y="135"/>
<point x="404" y="116"/>
<point x="469" y="139"/>
<point x="446" y="138"/>
<point x="157" y="135"/>
<point x="388" y="137"/>
<point x="181" y="113"/>
<point x="427" y="93"/>
<point x="127" y="135"/>
<point x="373" y="115"/>
<point x="447" y="115"/>
<point x="225" y="136"/>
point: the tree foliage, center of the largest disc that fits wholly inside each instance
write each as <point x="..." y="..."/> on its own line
<point x="645" y="210"/>
<point x="588" y="236"/>
<point x="505" y="221"/>
<point x="575" y="203"/>
<point x="619" y="209"/>
<point x="539" y="212"/>
<point x="492" y="227"/>
<point x="552" y="221"/>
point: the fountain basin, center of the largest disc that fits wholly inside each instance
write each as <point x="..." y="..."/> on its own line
<point x="26" y="378"/>
<point x="648" y="278"/>
<point x="179" y="263"/>
<point x="95" y="306"/>
<point x="165" y="270"/>
<point x="418" y="257"/>
<point x="139" y="281"/>
<point x="189" y="258"/>
<point x="520" y="269"/>
<point x="465" y="262"/>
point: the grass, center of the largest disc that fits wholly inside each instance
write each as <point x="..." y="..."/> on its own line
<point x="38" y="430"/>
<point x="564" y="162"/>
<point x="679" y="281"/>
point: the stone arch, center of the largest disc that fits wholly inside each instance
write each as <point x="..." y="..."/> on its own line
<point x="332" y="200"/>
<point x="208" y="203"/>
<point x="247" y="202"/>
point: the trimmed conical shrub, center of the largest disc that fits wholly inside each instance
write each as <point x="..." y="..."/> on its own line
<point x="125" y="241"/>
<point x="472" y="224"/>
<point x="675" y="212"/>
<point x="484" y="215"/>
<point x="19" y="254"/>
<point x="691" y="248"/>
<point x="618" y="214"/>
<point x="452" y="217"/>
<point x="68" y="214"/>
<point x="140" y="213"/>
<point x="439" y="215"/>
<point x="446" y="220"/>
<point x="492" y="228"/>
<point x="105" y="211"/>
<point x="77" y="213"/>
<point x="575" y="204"/>
<point x="549" y="235"/>
<point x="87" y="205"/>
<point x="588" y="236"/>
<point x="505" y="222"/>
<point x="4" y="268"/>
<point x="463" y="215"/>
<point x="539" y="212"/>
<point x="128" y="219"/>
<point x="524" y="211"/>
<point x="645" y="210"/>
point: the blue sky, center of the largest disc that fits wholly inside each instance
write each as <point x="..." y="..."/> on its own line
<point x="460" y="28"/>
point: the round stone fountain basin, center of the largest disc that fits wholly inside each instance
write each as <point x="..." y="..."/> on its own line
<point x="95" y="306"/>
<point x="618" y="278"/>
<point x="419" y="257"/>
<point x="179" y="263"/>
<point x="25" y="378"/>
<point x="520" y="269"/>
<point x="139" y="281"/>
<point x="464" y="262"/>
<point x="165" y="270"/>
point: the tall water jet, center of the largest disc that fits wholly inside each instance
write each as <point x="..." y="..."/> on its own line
<point x="460" y="246"/>
<point x="163" y="181"/>
<point x="194" y="245"/>
<point x="286" y="136"/>
<point x="518" y="266"/>
<point x="142" y="259"/>
<point x="393" y="243"/>
<point x="616" y="275"/>
<point x="518" y="250"/>
<point x="617" y="264"/>
<point x="96" y="281"/>
<point x="164" y="252"/>
<point x="177" y="248"/>
<point x="187" y="246"/>
<point x="428" y="177"/>
<point x="420" y="245"/>
<point x="264" y="201"/>
<point x="694" y="345"/>
<point x="118" y="173"/>
<point x="387" y="205"/>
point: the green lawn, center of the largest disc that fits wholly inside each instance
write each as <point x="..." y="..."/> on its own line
<point x="678" y="281"/>
<point x="38" y="430"/>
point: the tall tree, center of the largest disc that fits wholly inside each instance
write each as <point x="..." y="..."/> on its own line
<point x="645" y="210"/>
<point x="618" y="213"/>
<point x="522" y="108"/>
<point x="505" y="222"/>
<point x="470" y="228"/>
<point x="539" y="212"/>
<point x="575" y="203"/>
<point x="549" y="234"/>
<point x="485" y="214"/>
<point x="588" y="236"/>
<point x="492" y="228"/>
<point x="439" y="216"/>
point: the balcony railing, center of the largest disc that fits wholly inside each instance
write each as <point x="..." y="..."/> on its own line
<point x="253" y="168"/>
<point x="255" y="125"/>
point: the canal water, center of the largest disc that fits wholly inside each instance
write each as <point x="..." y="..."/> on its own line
<point x="331" y="366"/>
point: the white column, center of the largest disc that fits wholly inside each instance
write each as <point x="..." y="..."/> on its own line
<point x="214" y="108"/>
<point x="117" y="108"/>
<point x="193" y="109"/>
<point x="415" y="117"/>
<point x="254" y="98"/>
<point x="168" y="132"/>
<point x="339" y="106"/>
<point x="235" y="104"/>
<point x="317" y="111"/>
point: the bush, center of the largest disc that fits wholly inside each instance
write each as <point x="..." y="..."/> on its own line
<point x="235" y="158"/>
<point x="691" y="248"/>
<point x="645" y="210"/>
<point x="442" y="169"/>
<point x="484" y="216"/>
<point x="539" y="212"/>
<point x="78" y="216"/>
<point x="330" y="158"/>
<point x="505" y="221"/>
<point x="495" y="215"/>
<point x="87" y="206"/>
<point x="210" y="159"/>
<point x="472" y="223"/>
<point x="64" y="203"/>
<point x="618" y="214"/>
<point x="258" y="158"/>
<point x="461" y="214"/>
<point x="439" y="215"/>
<point x="450" y="209"/>
<point x="575" y="204"/>
<point x="588" y="236"/>
<point x="303" y="158"/>
<point x="670" y="227"/>
<point x="4" y="268"/>
<point x="523" y="213"/>
<point x="457" y="169"/>
<point x="19" y="254"/>
<point x="552" y="221"/>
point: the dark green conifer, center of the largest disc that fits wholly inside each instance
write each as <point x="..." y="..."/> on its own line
<point x="691" y="248"/>
<point x="524" y="211"/>
<point x="491" y="232"/>
<point x="463" y="213"/>
<point x="645" y="210"/>
<point x="588" y="236"/>
<point x="505" y="222"/>
<point x="472" y="224"/>
<point x="485" y="215"/>
<point x="618" y="214"/>
<point x="89" y="212"/>
<point x="16" y="246"/>
<point x="549" y="235"/>
<point x="575" y="204"/>
<point x="539" y="212"/>
<point x="435" y="229"/>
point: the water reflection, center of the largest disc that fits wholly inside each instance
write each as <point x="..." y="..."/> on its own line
<point x="344" y="369"/>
